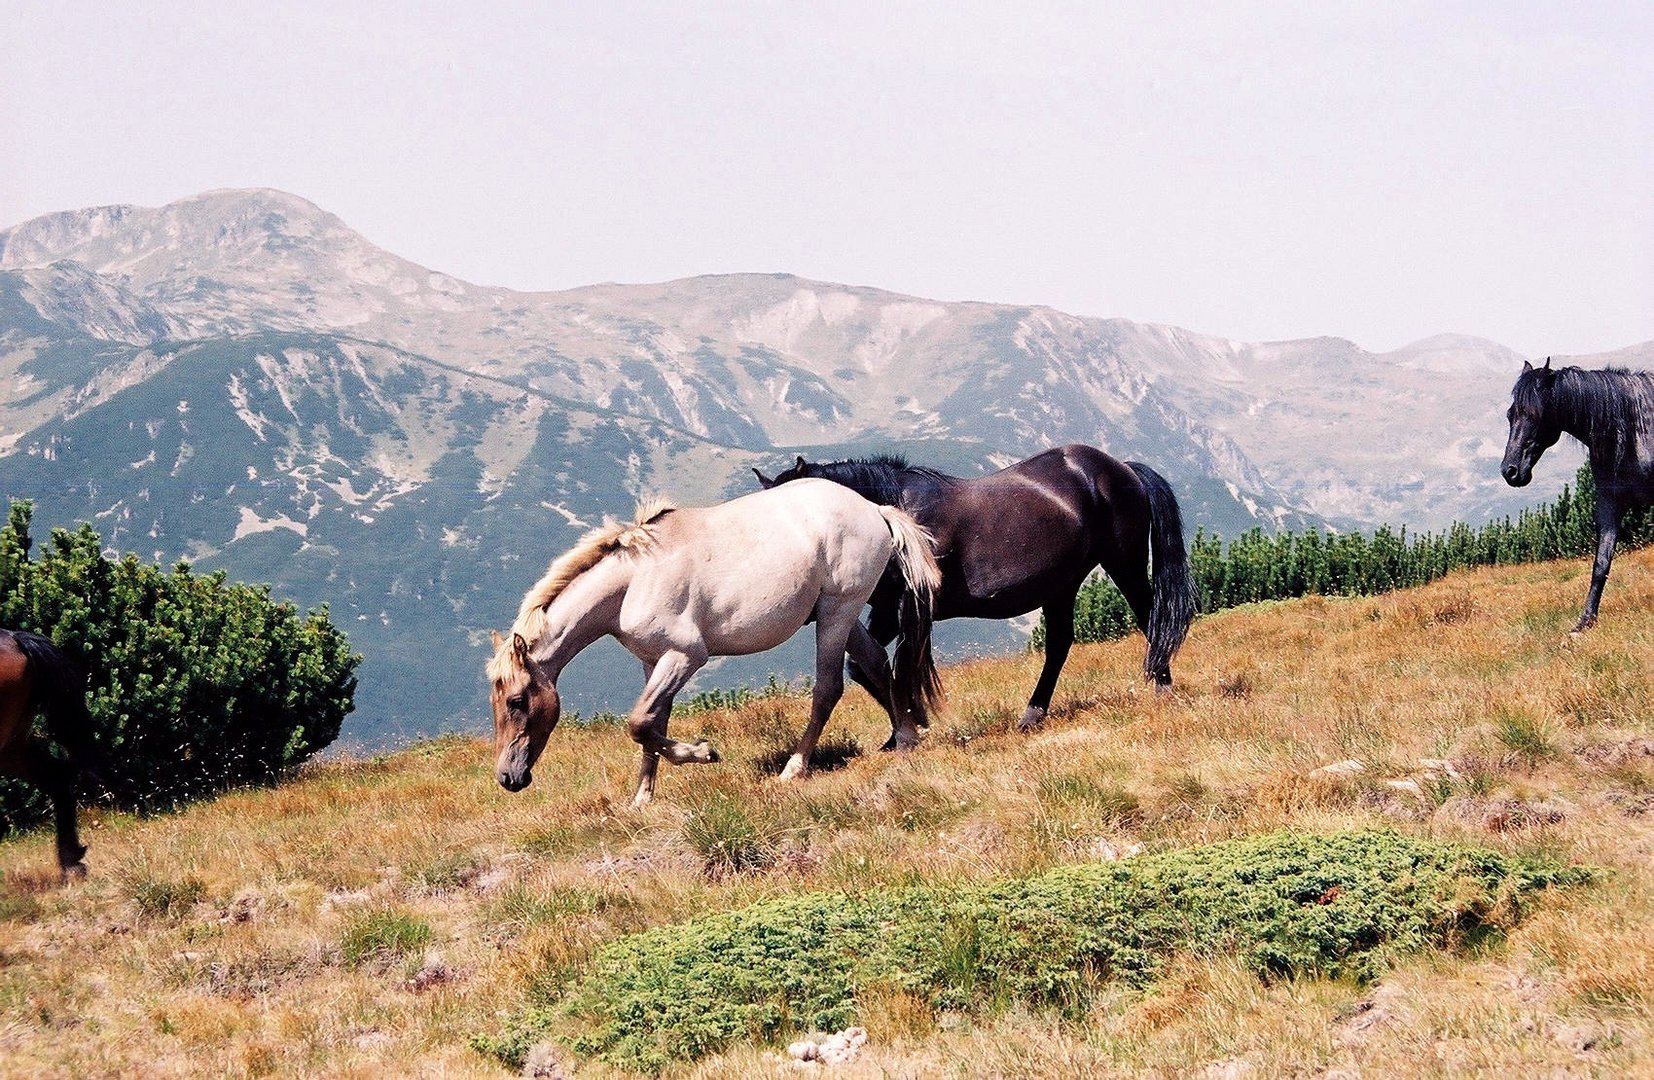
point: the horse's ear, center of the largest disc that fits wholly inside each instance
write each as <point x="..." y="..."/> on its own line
<point x="763" y="481"/>
<point x="1547" y="363"/>
<point x="519" y="648"/>
<point x="1526" y="367"/>
<point x="799" y="464"/>
<point x="498" y="640"/>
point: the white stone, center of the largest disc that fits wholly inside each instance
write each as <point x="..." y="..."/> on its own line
<point x="1338" y="770"/>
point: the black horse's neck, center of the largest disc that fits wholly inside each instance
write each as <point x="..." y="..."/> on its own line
<point x="1605" y="409"/>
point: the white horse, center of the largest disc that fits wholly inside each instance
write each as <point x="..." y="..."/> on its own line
<point x="678" y="586"/>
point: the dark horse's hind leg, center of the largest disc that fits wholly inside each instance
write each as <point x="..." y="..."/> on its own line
<point x="869" y="668"/>
<point x="1133" y="583"/>
<point x="34" y="764"/>
<point x="1059" y="638"/>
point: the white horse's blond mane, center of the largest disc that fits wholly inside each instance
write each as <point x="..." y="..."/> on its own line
<point x="591" y="549"/>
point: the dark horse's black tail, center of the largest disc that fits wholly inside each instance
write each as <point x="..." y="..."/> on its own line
<point x="60" y="693"/>
<point x="1172" y="605"/>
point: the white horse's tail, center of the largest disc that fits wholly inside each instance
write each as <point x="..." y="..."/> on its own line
<point x="916" y="685"/>
<point x="915" y="553"/>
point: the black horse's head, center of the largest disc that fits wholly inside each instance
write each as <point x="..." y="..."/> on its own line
<point x="797" y="470"/>
<point x="1534" y="427"/>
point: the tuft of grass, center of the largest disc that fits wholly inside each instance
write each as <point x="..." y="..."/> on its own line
<point x="1524" y="735"/>
<point x="1106" y="800"/>
<point x="728" y="837"/>
<point x="380" y="936"/>
<point x="454" y="870"/>
<point x="165" y="898"/>
<point x="1343" y="906"/>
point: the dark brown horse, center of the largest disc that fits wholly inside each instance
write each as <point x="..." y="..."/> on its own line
<point x="1027" y="537"/>
<point x="35" y="676"/>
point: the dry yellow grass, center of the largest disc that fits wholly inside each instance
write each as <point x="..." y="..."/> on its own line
<point x="371" y="916"/>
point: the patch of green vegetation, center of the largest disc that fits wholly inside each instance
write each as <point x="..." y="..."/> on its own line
<point x="377" y="935"/>
<point x="1287" y="904"/>
<point x="163" y="898"/>
<point x="716" y="699"/>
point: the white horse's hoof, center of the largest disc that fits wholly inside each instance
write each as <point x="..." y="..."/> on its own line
<point x="1033" y="718"/>
<point x="795" y="769"/>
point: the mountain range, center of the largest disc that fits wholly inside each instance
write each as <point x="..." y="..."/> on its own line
<point x="240" y="380"/>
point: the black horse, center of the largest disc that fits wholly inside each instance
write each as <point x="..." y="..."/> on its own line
<point x="1027" y="537"/>
<point x="1612" y="413"/>
<point x="35" y="676"/>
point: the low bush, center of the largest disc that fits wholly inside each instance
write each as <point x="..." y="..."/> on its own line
<point x="1287" y="904"/>
<point x="195" y="684"/>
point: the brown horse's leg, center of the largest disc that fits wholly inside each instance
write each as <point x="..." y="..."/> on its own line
<point x="870" y="668"/>
<point x="57" y="779"/>
<point x="834" y="622"/>
<point x="1059" y="638"/>
<point x="875" y="675"/>
<point x="647" y="724"/>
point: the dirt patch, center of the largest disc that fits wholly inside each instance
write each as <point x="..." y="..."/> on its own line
<point x="1508" y="814"/>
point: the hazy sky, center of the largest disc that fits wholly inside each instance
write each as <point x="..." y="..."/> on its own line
<point x="1380" y="172"/>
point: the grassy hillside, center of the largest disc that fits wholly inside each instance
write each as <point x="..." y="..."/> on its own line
<point x="371" y="917"/>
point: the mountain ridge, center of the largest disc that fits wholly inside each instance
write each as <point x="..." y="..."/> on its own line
<point x="240" y="379"/>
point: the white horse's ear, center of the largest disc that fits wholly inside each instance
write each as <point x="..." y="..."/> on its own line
<point x="519" y="648"/>
<point x="763" y="481"/>
<point x="498" y="640"/>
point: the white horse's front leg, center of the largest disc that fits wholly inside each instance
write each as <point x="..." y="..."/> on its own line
<point x="647" y="724"/>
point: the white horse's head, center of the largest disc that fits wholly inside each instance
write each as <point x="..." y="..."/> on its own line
<point x="526" y="708"/>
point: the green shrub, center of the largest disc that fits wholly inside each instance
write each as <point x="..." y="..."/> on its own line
<point x="1339" y="906"/>
<point x="195" y="684"/>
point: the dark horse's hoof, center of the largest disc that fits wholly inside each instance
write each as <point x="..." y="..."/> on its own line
<point x="73" y="872"/>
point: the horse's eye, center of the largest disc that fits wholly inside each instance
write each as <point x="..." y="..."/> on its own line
<point x="518" y="702"/>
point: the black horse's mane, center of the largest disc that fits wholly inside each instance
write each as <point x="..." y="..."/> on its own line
<point x="880" y="477"/>
<point x="1609" y="407"/>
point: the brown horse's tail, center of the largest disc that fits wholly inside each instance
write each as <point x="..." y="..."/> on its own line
<point x="915" y="684"/>
<point x="59" y="692"/>
<point x="1172" y="601"/>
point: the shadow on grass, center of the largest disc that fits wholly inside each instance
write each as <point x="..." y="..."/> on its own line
<point x="831" y="754"/>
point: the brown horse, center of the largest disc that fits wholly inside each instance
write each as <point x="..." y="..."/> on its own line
<point x="35" y="676"/>
<point x="1026" y="538"/>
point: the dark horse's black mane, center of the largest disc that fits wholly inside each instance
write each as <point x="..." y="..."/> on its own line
<point x="881" y="477"/>
<point x="1608" y="407"/>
